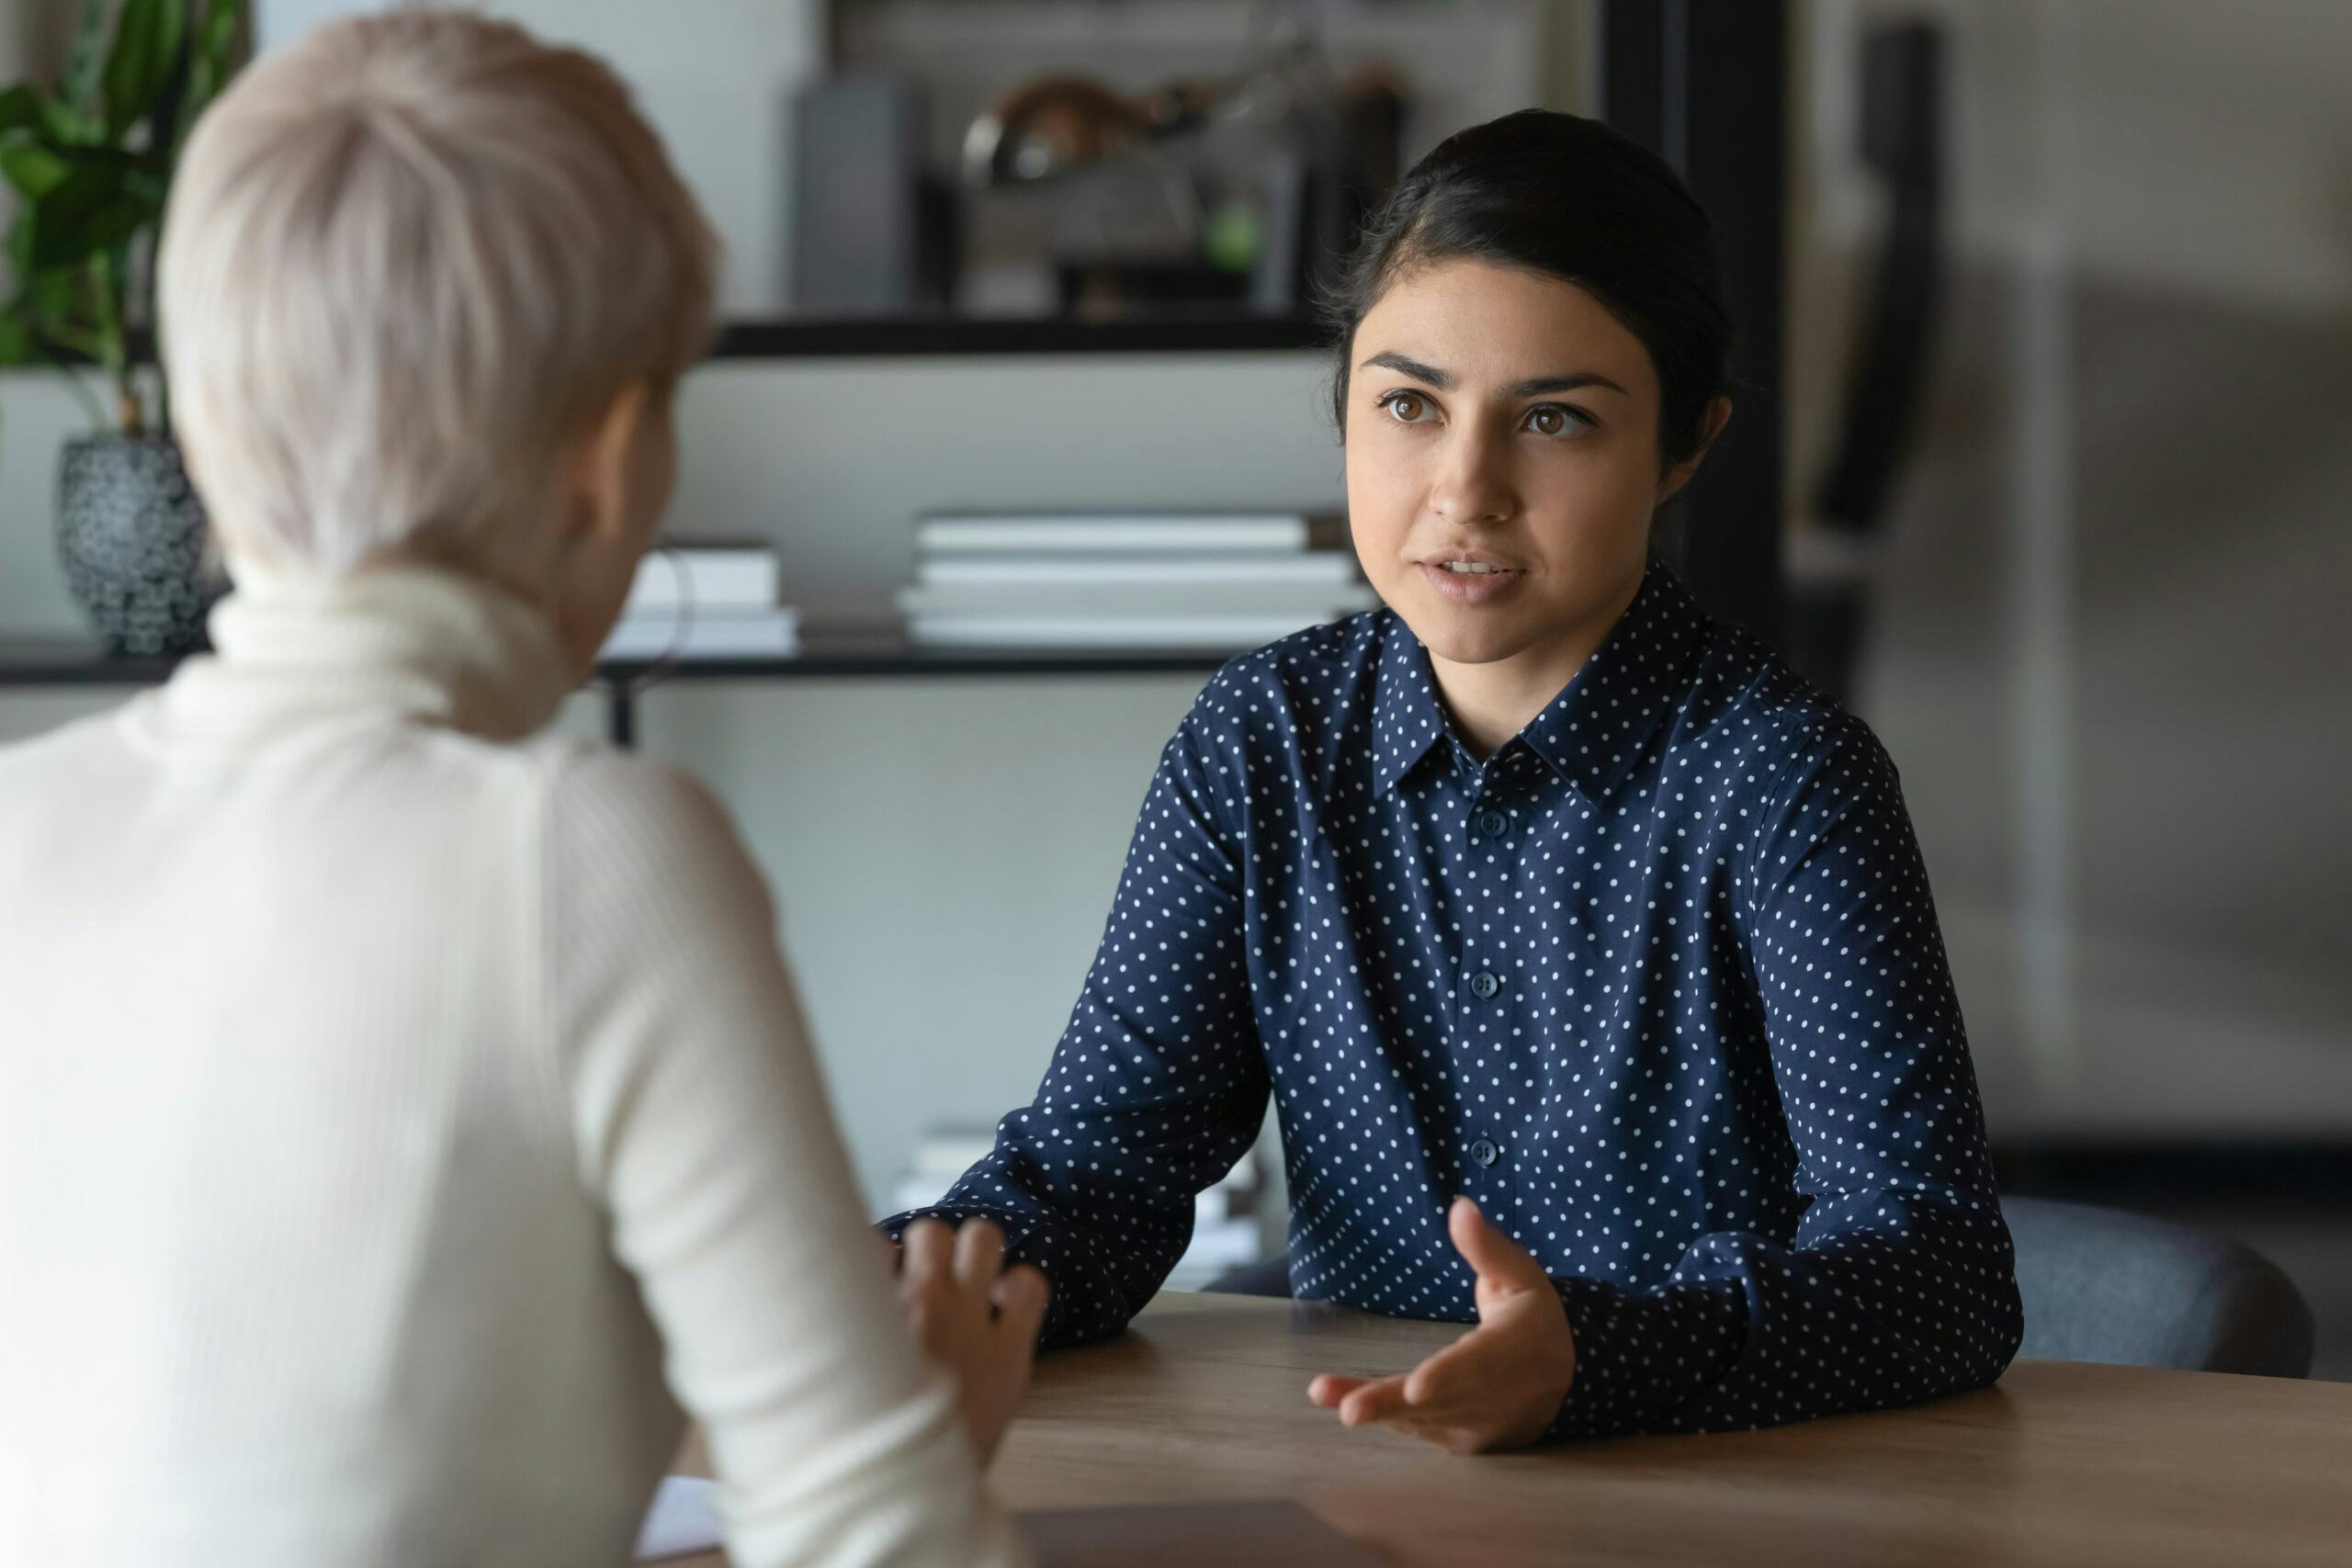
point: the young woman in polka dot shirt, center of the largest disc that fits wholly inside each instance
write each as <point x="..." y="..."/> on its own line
<point x="1586" y="950"/>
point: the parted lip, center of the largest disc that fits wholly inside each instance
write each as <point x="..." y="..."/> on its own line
<point x="1475" y="557"/>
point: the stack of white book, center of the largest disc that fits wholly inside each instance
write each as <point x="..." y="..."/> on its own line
<point x="710" y="599"/>
<point x="1124" y="579"/>
<point x="1225" y="1229"/>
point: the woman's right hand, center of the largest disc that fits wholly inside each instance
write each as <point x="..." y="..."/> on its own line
<point x="974" y="1316"/>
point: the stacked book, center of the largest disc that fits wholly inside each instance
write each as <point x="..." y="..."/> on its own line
<point x="708" y="599"/>
<point x="1127" y="579"/>
<point x="1225" y="1229"/>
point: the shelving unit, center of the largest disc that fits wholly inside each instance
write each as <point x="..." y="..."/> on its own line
<point x="822" y="337"/>
<point x="64" y="663"/>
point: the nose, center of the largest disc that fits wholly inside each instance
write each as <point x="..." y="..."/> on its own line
<point x="1472" y="484"/>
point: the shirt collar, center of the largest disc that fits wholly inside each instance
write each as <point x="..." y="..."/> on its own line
<point x="1405" y="718"/>
<point x="1593" y="730"/>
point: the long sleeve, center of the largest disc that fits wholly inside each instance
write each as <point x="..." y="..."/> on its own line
<point x="703" y="1129"/>
<point x="1900" y="1285"/>
<point x="1158" y="1085"/>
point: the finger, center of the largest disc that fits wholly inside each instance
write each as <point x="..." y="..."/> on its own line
<point x="1376" y="1400"/>
<point x="1494" y="1257"/>
<point x="1020" y="1295"/>
<point x="926" y="1251"/>
<point x="1329" y="1388"/>
<point x="1448" y="1377"/>
<point x="979" y="1254"/>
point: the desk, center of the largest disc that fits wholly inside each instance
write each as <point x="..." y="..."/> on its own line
<point x="2060" y="1462"/>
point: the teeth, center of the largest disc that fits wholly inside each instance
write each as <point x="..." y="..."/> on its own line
<point x="1478" y="569"/>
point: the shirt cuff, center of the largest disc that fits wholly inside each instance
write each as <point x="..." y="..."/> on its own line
<point x="1642" y="1356"/>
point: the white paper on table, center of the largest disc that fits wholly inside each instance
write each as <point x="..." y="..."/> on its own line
<point x="684" y="1518"/>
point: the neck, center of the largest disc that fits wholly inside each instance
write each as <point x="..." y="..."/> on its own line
<point x="1491" y="702"/>
<point x="397" y="640"/>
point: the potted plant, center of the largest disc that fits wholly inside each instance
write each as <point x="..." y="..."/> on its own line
<point x="90" y="160"/>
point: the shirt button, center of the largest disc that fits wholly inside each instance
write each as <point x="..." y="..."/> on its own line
<point x="1493" y="824"/>
<point x="1484" y="984"/>
<point x="1484" y="1152"/>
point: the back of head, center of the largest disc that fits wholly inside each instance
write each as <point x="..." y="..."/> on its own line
<point x="407" y="261"/>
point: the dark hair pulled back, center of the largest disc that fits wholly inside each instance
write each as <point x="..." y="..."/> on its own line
<point x="1558" y="194"/>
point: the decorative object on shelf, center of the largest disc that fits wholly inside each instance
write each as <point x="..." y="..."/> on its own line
<point x="91" y="161"/>
<point x="1264" y="173"/>
<point x="130" y="534"/>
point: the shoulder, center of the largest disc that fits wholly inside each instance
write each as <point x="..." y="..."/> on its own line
<point x="1292" y="706"/>
<point x="626" y="824"/>
<point x="1775" y="732"/>
<point x="37" y="758"/>
<point x="1298" y="677"/>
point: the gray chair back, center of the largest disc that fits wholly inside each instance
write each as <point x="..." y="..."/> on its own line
<point x="2102" y="1285"/>
<point x="2107" y="1285"/>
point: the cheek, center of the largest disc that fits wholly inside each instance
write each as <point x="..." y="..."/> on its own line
<point x="1385" y="490"/>
<point x="1590" y="495"/>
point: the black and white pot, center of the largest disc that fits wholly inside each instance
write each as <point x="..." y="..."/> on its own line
<point x="130" y="534"/>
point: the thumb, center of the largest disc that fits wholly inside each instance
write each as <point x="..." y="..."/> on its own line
<point x="1494" y="1257"/>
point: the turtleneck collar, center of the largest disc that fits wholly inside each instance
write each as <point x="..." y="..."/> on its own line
<point x="399" y="642"/>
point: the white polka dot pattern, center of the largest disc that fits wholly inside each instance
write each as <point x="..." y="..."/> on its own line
<point x="1659" y="984"/>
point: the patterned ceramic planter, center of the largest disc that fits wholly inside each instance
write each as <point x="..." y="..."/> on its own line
<point x="130" y="533"/>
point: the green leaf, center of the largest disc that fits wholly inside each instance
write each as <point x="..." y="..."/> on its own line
<point x="57" y="302"/>
<point x="20" y="109"/>
<point x="20" y="247"/>
<point x="147" y="38"/>
<point x="34" y="169"/>
<point x="17" y="344"/>
<point x="215" y="57"/>
<point x="63" y="122"/>
<point x="79" y="91"/>
<point x="38" y="167"/>
<point x="90" y="213"/>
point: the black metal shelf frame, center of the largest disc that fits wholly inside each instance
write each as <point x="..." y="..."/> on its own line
<point x="64" y="665"/>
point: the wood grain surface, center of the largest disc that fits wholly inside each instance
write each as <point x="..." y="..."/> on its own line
<point x="1204" y="1400"/>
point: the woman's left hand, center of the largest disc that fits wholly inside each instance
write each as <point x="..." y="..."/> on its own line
<point x="1499" y="1385"/>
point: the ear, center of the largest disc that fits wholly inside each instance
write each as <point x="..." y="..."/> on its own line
<point x="600" y="470"/>
<point x="1671" y="482"/>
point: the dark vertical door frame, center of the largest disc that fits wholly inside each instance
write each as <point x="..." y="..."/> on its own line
<point x="1704" y="84"/>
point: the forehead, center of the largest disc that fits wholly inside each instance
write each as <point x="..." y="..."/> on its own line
<point x="1491" y="326"/>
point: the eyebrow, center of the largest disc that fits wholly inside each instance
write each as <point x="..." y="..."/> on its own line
<point x="1443" y="380"/>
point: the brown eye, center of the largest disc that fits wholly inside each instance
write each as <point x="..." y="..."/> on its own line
<point x="1407" y="408"/>
<point x="1548" y="420"/>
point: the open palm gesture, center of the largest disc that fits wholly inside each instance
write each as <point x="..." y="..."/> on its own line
<point x="1499" y="1385"/>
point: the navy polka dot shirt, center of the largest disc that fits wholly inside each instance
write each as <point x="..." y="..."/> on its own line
<point x="1658" y="983"/>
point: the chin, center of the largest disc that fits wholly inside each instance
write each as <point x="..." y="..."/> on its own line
<point x="1466" y="639"/>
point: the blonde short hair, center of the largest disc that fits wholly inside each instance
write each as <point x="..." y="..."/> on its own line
<point x="407" y="261"/>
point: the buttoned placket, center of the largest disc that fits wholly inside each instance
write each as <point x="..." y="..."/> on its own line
<point x="1486" y="827"/>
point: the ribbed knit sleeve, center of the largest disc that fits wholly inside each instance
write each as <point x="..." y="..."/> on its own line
<point x="703" y="1131"/>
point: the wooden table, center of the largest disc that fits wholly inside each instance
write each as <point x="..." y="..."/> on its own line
<point x="2060" y="1462"/>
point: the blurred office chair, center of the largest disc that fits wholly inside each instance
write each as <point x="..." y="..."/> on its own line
<point x="2102" y="1285"/>
<point x="2106" y="1285"/>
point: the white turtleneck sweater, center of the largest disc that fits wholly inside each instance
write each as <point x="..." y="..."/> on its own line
<point x="397" y="1111"/>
